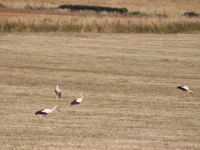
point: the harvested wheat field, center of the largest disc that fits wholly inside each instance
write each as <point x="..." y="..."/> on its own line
<point x="129" y="81"/>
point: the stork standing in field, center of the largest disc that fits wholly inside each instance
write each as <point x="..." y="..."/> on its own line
<point x="185" y="89"/>
<point x="77" y="101"/>
<point x="57" y="91"/>
<point x="44" y="112"/>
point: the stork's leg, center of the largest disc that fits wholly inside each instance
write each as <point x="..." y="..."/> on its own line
<point x="40" y="119"/>
<point x="77" y="106"/>
<point x="44" y="117"/>
<point x="184" y="93"/>
<point x="73" y="108"/>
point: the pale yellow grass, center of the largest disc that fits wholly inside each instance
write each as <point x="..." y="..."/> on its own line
<point x="107" y="23"/>
<point x="129" y="82"/>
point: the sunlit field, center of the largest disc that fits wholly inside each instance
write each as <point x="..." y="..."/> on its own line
<point x="129" y="82"/>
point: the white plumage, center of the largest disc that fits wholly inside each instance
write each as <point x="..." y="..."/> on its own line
<point x="185" y="89"/>
<point x="78" y="100"/>
<point x="58" y="91"/>
<point x="44" y="112"/>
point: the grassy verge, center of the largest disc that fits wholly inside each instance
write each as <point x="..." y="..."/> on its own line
<point x="37" y="18"/>
<point x="100" y="25"/>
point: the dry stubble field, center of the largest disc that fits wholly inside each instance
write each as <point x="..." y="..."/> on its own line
<point x="129" y="82"/>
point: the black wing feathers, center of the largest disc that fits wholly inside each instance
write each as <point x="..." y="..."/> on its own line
<point x="59" y="94"/>
<point x="74" y="102"/>
<point x="40" y="112"/>
<point x="180" y="87"/>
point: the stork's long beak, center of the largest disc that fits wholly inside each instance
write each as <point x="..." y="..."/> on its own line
<point x="58" y="109"/>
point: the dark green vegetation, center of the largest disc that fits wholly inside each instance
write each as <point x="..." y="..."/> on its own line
<point x="2" y="6"/>
<point x="94" y="8"/>
<point x="191" y="14"/>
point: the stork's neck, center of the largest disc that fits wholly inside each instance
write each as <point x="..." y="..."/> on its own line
<point x="54" y="108"/>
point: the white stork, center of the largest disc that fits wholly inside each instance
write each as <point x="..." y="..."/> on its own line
<point x="185" y="89"/>
<point x="44" y="112"/>
<point x="57" y="91"/>
<point x="78" y="100"/>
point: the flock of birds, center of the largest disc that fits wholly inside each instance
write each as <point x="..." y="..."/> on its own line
<point x="44" y="112"/>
